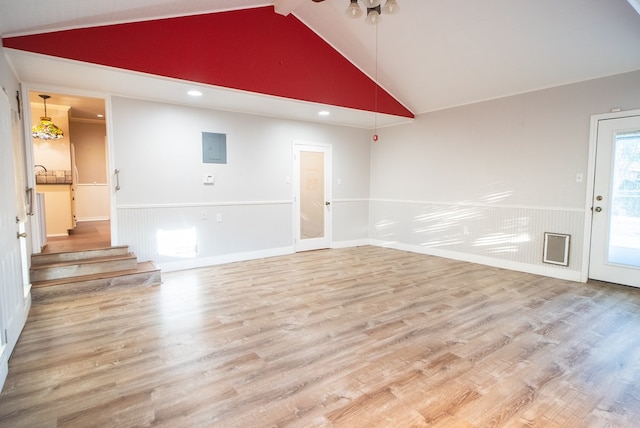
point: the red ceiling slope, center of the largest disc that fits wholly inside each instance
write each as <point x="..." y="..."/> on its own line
<point x="254" y="50"/>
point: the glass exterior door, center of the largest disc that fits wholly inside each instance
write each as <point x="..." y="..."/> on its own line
<point x="615" y="243"/>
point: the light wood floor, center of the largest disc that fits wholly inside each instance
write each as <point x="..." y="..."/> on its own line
<point x="87" y="235"/>
<point x="358" y="337"/>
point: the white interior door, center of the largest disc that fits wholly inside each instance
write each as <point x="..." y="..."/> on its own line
<point x="615" y="235"/>
<point x="25" y="198"/>
<point x="312" y="198"/>
<point x="11" y="225"/>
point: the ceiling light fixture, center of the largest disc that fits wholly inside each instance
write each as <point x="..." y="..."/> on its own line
<point x="194" y="93"/>
<point x="46" y="129"/>
<point x="374" y="9"/>
<point x="324" y="113"/>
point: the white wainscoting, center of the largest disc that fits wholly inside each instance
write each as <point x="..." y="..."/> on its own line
<point x="92" y="202"/>
<point x="350" y="223"/>
<point x="224" y="231"/>
<point x="509" y="237"/>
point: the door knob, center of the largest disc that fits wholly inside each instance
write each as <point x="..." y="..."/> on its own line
<point x="21" y="235"/>
<point x="598" y="198"/>
<point x="327" y="203"/>
<point x="598" y="209"/>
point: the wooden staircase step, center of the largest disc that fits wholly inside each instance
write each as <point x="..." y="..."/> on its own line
<point x="77" y="268"/>
<point x="70" y="274"/>
<point x="145" y="273"/>
<point x="67" y="256"/>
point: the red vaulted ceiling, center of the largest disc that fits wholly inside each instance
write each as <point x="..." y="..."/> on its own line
<point x="255" y="50"/>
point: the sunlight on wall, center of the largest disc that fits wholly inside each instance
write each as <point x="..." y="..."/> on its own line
<point x="178" y="243"/>
<point x="495" y="239"/>
<point x="515" y="233"/>
<point x="386" y="230"/>
<point x="497" y="197"/>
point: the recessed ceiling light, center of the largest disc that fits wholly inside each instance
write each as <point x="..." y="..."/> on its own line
<point x="194" y="93"/>
<point x="324" y="113"/>
<point x="100" y="115"/>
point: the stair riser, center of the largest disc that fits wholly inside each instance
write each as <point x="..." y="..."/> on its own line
<point x="80" y="269"/>
<point x="76" y="289"/>
<point x="44" y="258"/>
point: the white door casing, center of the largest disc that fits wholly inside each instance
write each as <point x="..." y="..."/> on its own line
<point x="614" y="252"/>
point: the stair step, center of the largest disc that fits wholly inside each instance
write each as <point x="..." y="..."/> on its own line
<point x="67" y="256"/>
<point x="144" y="273"/>
<point x="81" y="267"/>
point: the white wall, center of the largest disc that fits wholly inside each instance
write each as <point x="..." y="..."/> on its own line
<point x="484" y="182"/>
<point x="158" y="149"/>
<point x="480" y="183"/>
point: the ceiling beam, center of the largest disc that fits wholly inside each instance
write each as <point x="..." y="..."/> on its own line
<point x="285" y="7"/>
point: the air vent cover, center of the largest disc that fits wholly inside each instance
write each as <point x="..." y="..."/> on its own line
<point x="556" y="249"/>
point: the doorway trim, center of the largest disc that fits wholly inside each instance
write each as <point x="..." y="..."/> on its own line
<point x="27" y="119"/>
<point x="591" y="175"/>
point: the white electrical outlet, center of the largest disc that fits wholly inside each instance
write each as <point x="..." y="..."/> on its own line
<point x="219" y="218"/>
<point x="209" y="179"/>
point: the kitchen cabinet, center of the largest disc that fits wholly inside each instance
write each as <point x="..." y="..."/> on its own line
<point x="58" y="208"/>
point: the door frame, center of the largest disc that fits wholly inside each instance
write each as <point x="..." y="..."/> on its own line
<point x="328" y="171"/>
<point x="27" y="87"/>
<point x="591" y="175"/>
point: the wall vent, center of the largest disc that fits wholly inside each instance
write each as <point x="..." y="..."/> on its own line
<point x="556" y="249"/>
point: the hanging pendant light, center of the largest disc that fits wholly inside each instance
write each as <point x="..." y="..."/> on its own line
<point x="46" y="129"/>
<point x="391" y="7"/>
<point x="354" y="11"/>
<point x="373" y="9"/>
<point x="373" y="15"/>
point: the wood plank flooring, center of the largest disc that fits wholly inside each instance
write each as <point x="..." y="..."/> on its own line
<point x="357" y="337"/>
<point x="86" y="236"/>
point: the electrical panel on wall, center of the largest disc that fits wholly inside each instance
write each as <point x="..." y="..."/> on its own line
<point x="214" y="147"/>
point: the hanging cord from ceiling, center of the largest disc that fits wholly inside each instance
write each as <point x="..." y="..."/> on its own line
<point x="375" y="94"/>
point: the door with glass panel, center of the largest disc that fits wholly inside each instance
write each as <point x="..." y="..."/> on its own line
<point x="312" y="196"/>
<point x="615" y="239"/>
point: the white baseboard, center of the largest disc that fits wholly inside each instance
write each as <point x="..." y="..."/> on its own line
<point x="566" y="274"/>
<point x="227" y="258"/>
<point x="4" y="368"/>
<point x="350" y="244"/>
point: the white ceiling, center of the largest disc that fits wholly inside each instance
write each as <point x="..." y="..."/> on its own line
<point x="433" y="54"/>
